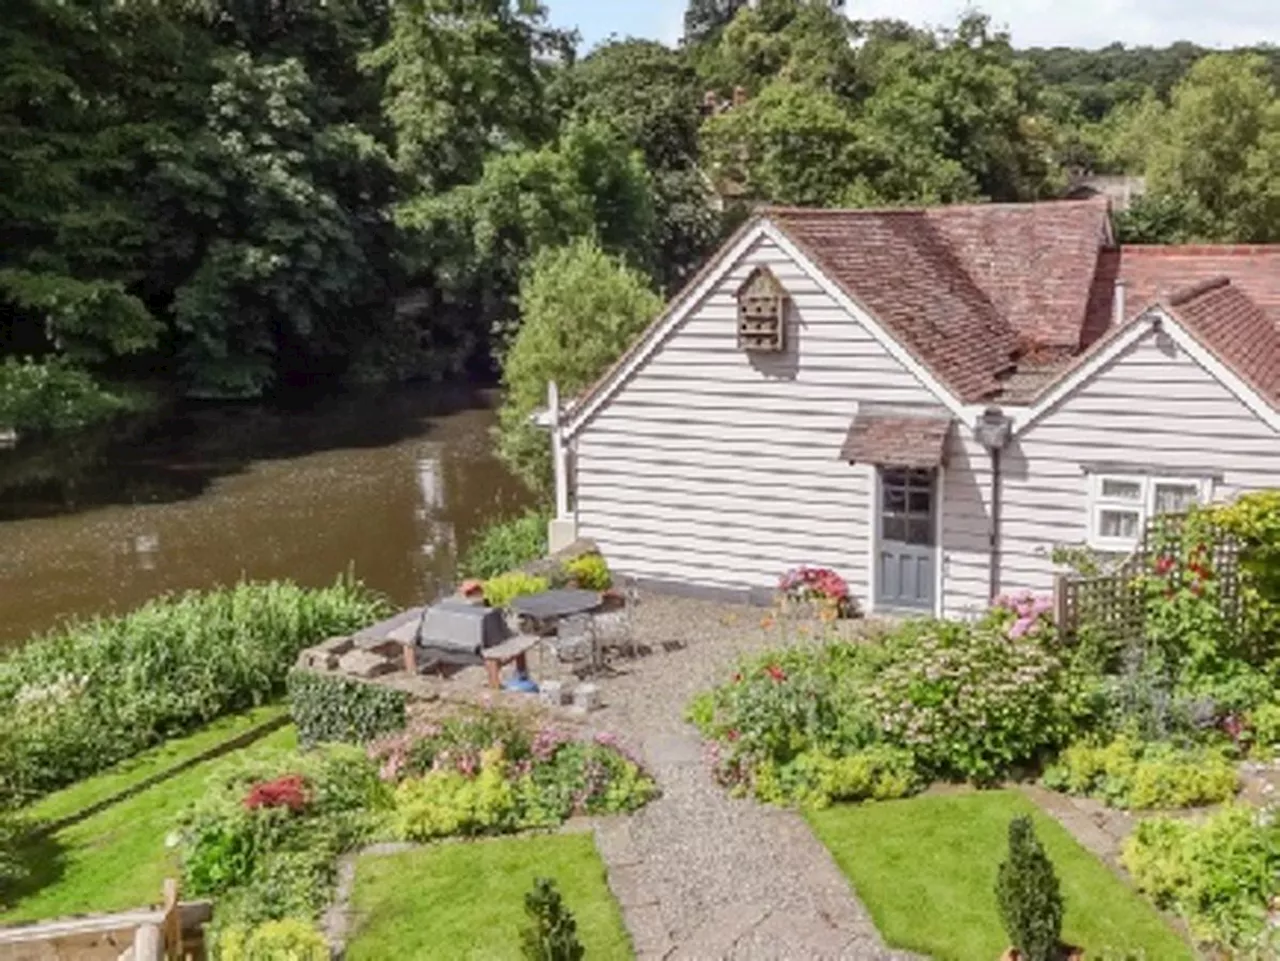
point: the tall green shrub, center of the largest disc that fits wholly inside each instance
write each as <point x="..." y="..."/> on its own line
<point x="96" y="692"/>
<point x="552" y="933"/>
<point x="580" y="309"/>
<point x="1029" y="895"/>
<point x="54" y="394"/>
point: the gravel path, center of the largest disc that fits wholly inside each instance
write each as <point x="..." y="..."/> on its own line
<point x="698" y="874"/>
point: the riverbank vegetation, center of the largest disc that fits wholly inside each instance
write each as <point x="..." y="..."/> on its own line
<point x="233" y="199"/>
<point x="96" y="692"/>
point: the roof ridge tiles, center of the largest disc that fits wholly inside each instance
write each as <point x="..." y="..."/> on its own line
<point x="1193" y="291"/>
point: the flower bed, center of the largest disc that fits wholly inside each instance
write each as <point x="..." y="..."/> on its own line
<point x="1128" y="773"/>
<point x="928" y="699"/>
<point x="490" y="773"/>
<point x="266" y="838"/>
<point x="1219" y="875"/>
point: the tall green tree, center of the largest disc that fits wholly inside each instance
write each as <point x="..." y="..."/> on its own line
<point x="1217" y="148"/>
<point x="70" y="228"/>
<point x="651" y="95"/>
<point x="465" y="78"/>
<point x="809" y="42"/>
<point x="286" y="267"/>
<point x="704" y="19"/>
<point x="963" y="97"/>
<point x="475" y="240"/>
<point x="580" y="309"/>
<point x="792" y="144"/>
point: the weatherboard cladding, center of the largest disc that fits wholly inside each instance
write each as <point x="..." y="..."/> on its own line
<point x="713" y="465"/>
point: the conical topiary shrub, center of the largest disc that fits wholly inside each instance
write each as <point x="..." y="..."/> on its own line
<point x="552" y="933"/>
<point x="1030" y="899"/>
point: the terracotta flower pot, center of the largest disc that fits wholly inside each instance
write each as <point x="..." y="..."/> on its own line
<point x="1067" y="952"/>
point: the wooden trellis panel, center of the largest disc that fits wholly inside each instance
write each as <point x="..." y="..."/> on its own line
<point x="1113" y="603"/>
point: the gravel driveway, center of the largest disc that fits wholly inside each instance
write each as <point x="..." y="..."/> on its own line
<point x="700" y="875"/>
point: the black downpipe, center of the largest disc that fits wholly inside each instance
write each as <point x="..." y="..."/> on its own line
<point x="995" y="523"/>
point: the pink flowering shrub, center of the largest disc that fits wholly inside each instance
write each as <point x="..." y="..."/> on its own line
<point x="1026" y="614"/>
<point x="975" y="701"/>
<point x="870" y="718"/>
<point x="819" y="585"/>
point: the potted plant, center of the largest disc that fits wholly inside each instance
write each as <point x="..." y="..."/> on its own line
<point x="1030" y="900"/>
<point x="815" y="592"/>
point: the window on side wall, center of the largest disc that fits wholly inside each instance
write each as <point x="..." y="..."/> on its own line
<point x="1120" y="504"/>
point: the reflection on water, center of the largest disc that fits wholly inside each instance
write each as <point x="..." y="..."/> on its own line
<point x="391" y="485"/>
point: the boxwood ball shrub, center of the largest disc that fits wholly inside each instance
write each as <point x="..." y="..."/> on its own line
<point x="96" y="692"/>
<point x="329" y="707"/>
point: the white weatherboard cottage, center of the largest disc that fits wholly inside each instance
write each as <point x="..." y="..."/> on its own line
<point x="927" y="401"/>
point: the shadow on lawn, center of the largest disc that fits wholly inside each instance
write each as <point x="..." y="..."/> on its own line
<point x="41" y="857"/>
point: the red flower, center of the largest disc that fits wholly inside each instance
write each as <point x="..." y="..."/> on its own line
<point x="732" y="734"/>
<point x="775" y="672"/>
<point x="1164" y="565"/>
<point x="289" y="792"/>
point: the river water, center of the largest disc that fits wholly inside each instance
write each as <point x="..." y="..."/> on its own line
<point x="390" y="485"/>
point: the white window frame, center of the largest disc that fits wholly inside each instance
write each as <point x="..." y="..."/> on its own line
<point x="1144" y="506"/>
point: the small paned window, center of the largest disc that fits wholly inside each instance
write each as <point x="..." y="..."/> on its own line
<point x="762" y="312"/>
<point x="1120" y="505"/>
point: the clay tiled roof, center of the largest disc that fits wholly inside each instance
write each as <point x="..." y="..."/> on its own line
<point x="999" y="301"/>
<point x="896" y="441"/>
<point x="1153" y="273"/>
<point x="966" y="289"/>
<point x="1233" y="327"/>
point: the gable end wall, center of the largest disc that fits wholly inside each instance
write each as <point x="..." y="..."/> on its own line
<point x="720" y="468"/>
<point x="1153" y="405"/>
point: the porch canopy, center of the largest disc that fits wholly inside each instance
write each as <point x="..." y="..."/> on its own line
<point x="896" y="440"/>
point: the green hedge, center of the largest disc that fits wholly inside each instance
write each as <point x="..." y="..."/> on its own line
<point x="329" y="707"/>
<point x="94" y="693"/>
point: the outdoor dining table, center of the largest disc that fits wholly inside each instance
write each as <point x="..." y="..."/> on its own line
<point x="552" y="605"/>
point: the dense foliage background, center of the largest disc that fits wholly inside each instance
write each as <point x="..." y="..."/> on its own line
<point x="227" y="197"/>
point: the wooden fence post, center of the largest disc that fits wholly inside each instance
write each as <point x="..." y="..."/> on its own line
<point x="1060" y="603"/>
<point x="148" y="944"/>
<point x="172" y="921"/>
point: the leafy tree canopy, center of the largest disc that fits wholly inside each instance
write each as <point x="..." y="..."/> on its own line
<point x="579" y="309"/>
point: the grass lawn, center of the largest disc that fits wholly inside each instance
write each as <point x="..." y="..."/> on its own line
<point x="465" y="900"/>
<point x="137" y="769"/>
<point x="926" y="870"/>
<point x="117" y="859"/>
